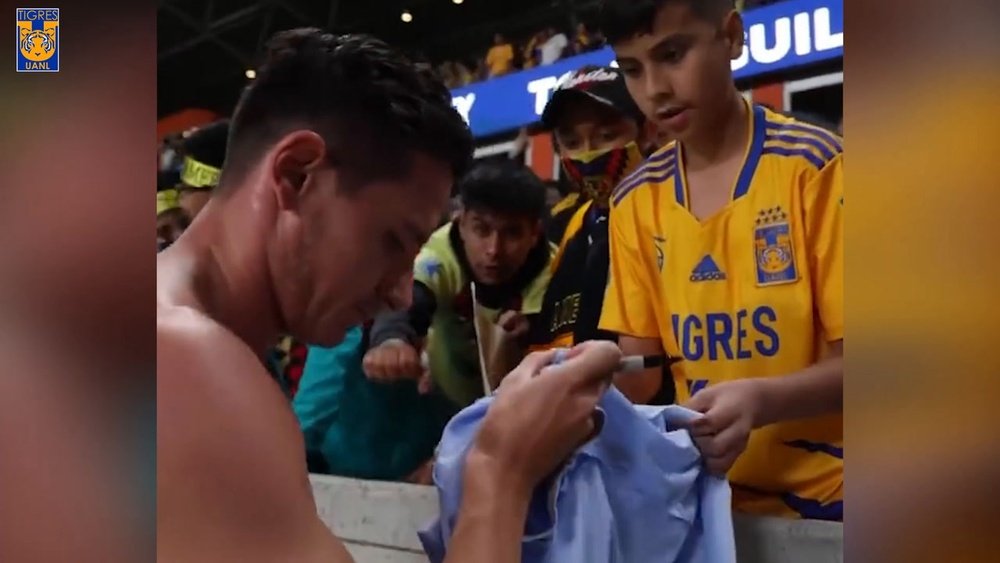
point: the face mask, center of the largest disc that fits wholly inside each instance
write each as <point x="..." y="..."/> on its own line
<point x="597" y="173"/>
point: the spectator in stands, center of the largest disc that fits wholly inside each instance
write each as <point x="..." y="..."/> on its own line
<point x="171" y="219"/>
<point x="496" y="242"/>
<point x="553" y="46"/>
<point x="204" y="152"/>
<point x="447" y="75"/>
<point x="461" y="74"/>
<point x="585" y="40"/>
<point x="357" y="427"/>
<point x="500" y="58"/>
<point x="531" y="52"/>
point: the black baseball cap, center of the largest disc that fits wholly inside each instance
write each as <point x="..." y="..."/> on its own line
<point x="604" y="85"/>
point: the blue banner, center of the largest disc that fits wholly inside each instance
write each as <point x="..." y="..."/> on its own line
<point x="779" y="37"/>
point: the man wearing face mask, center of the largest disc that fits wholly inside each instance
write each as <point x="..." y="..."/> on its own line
<point x="601" y="137"/>
<point x="592" y="112"/>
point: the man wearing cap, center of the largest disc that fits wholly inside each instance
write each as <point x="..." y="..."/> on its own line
<point x="204" y="152"/>
<point x="592" y="111"/>
<point x="600" y="135"/>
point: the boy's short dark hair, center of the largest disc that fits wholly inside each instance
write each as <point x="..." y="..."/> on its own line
<point x="371" y="105"/>
<point x="624" y="19"/>
<point x="503" y="186"/>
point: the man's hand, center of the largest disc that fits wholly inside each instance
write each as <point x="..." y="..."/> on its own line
<point x="393" y="360"/>
<point x="542" y="413"/>
<point x="732" y="409"/>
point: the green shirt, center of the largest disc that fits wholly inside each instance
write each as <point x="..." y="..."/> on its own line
<point x="451" y="347"/>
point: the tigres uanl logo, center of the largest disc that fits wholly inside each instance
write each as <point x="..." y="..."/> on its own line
<point x="37" y="39"/>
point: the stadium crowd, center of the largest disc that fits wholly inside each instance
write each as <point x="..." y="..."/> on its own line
<point x="514" y="267"/>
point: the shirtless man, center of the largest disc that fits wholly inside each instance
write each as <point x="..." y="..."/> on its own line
<point x="341" y="160"/>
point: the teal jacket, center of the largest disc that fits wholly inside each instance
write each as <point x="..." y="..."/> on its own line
<point x="354" y="427"/>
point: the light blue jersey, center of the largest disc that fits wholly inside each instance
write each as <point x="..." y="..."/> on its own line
<point x="638" y="493"/>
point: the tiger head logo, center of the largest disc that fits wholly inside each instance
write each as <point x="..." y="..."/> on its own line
<point x="37" y="44"/>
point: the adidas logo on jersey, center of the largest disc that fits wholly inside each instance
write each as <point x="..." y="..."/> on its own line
<point x="707" y="270"/>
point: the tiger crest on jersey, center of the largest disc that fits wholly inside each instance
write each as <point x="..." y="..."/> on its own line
<point x="772" y="240"/>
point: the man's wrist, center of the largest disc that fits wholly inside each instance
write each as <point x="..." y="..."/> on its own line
<point x="485" y="477"/>
<point x="394" y="339"/>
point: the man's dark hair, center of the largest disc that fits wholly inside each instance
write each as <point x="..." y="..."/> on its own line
<point x="370" y="104"/>
<point x="503" y="186"/>
<point x="623" y="19"/>
<point x="208" y="144"/>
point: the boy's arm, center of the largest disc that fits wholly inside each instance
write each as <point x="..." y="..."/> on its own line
<point x="629" y="309"/>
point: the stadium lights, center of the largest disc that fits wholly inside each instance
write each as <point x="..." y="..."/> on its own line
<point x="406" y="16"/>
<point x="251" y="73"/>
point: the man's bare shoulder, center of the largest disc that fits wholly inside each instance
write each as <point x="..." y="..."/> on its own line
<point x="230" y="461"/>
<point x="188" y="338"/>
<point x="208" y="378"/>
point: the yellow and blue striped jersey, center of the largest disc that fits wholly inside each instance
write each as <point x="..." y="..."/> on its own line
<point x="755" y="290"/>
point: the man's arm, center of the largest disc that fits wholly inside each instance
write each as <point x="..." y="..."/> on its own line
<point x="494" y="510"/>
<point x="410" y="325"/>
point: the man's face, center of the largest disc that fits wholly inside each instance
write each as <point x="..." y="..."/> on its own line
<point x="497" y="245"/>
<point x="586" y="125"/>
<point x="169" y="226"/>
<point x="679" y="74"/>
<point x="194" y="200"/>
<point x="342" y="256"/>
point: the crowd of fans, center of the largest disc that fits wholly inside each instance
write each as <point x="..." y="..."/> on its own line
<point x="541" y="48"/>
<point x="508" y="55"/>
<point x="506" y="272"/>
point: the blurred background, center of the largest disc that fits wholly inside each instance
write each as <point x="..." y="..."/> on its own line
<point x="501" y="59"/>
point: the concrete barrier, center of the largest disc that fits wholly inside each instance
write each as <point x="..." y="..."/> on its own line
<point x="379" y="521"/>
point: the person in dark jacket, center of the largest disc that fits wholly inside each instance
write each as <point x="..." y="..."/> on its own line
<point x="601" y="137"/>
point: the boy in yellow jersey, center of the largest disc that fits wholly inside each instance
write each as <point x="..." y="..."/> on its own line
<point x="727" y="250"/>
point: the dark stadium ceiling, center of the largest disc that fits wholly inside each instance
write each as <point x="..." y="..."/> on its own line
<point x="204" y="47"/>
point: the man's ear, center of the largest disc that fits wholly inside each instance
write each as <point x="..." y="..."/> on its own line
<point x="733" y="33"/>
<point x="296" y="157"/>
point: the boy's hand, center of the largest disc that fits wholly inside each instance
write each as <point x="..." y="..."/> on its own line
<point x="731" y="411"/>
